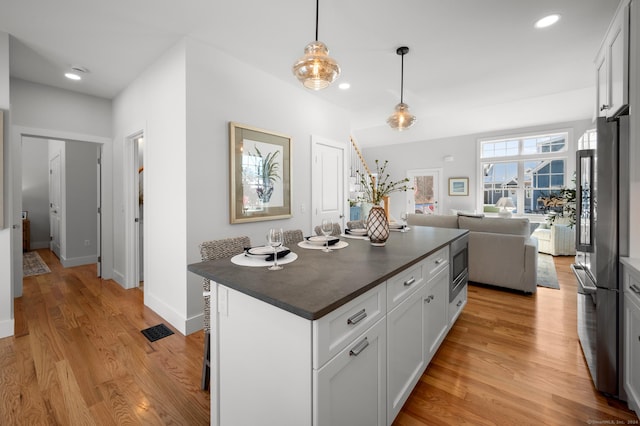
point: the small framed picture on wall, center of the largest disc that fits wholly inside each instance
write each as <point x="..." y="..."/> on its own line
<point x="459" y="186"/>
<point x="25" y="215"/>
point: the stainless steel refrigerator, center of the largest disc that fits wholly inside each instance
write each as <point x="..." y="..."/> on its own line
<point x="602" y="236"/>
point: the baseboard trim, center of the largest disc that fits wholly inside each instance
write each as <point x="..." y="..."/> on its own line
<point x="7" y="328"/>
<point x="78" y="261"/>
<point x="165" y="311"/>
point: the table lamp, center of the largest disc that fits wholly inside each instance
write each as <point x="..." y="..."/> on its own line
<point x="505" y="202"/>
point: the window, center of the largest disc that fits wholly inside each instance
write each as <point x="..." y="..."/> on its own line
<point x="528" y="169"/>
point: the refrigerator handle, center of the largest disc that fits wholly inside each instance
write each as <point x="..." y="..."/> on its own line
<point x="585" y="227"/>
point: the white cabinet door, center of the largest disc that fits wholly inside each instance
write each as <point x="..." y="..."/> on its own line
<point x="406" y="360"/>
<point x="602" y="93"/>
<point x="618" y="46"/>
<point x="436" y="320"/>
<point x="351" y="389"/>
<point x="612" y="66"/>
<point x="632" y="352"/>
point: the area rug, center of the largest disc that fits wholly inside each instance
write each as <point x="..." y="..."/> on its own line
<point x="32" y="264"/>
<point x="547" y="276"/>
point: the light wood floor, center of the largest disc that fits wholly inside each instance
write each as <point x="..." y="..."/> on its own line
<point x="78" y="358"/>
<point x="513" y="359"/>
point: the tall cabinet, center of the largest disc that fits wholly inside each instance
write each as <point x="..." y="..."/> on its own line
<point x="612" y="66"/>
<point x="631" y="331"/>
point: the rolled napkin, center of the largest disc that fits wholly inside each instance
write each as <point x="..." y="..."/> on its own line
<point x="321" y="240"/>
<point x="263" y="251"/>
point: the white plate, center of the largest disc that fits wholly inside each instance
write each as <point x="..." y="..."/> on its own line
<point x="242" y="260"/>
<point x="320" y="240"/>
<point x="306" y="245"/>
<point x="264" y="250"/>
<point x="358" y="231"/>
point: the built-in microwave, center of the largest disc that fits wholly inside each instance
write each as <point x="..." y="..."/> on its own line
<point x="459" y="264"/>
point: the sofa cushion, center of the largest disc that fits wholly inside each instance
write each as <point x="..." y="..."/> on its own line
<point x="439" y="221"/>
<point x="514" y="226"/>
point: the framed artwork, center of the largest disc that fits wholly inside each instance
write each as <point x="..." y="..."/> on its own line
<point x="458" y="186"/>
<point x="260" y="168"/>
<point x="25" y="215"/>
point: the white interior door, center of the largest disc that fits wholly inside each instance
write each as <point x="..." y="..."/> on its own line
<point x="328" y="200"/>
<point x="55" y="203"/>
<point x="99" y="210"/>
<point x="427" y="189"/>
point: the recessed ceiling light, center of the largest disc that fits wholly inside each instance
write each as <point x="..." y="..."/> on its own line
<point x="547" y="21"/>
<point x="72" y="76"/>
<point x="344" y="86"/>
<point x="76" y="72"/>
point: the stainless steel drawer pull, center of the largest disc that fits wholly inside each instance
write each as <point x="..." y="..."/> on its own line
<point x="634" y="288"/>
<point x="459" y="303"/>
<point x="439" y="261"/>
<point x="410" y="281"/>
<point x="357" y="317"/>
<point x="357" y="349"/>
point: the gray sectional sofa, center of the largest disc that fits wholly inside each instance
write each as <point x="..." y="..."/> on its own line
<point x="501" y="251"/>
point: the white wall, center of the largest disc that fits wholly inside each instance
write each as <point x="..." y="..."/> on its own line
<point x="35" y="189"/>
<point x="430" y="154"/>
<point x="6" y="297"/>
<point x="221" y="89"/>
<point x="81" y="183"/>
<point x="155" y="103"/>
<point x="187" y="161"/>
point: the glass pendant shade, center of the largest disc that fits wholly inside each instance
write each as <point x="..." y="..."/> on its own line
<point x="401" y="119"/>
<point x="316" y="69"/>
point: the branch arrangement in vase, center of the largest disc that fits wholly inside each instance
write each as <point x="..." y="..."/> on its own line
<point x="375" y="189"/>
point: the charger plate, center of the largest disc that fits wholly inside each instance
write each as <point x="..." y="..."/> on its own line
<point x="337" y="246"/>
<point x="242" y="260"/>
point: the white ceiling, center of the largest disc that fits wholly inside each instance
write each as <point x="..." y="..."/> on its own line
<point x="473" y="66"/>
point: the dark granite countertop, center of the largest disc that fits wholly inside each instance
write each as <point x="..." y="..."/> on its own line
<point x="317" y="283"/>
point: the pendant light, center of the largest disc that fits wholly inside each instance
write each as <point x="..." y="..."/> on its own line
<point x="316" y="69"/>
<point x="401" y="119"/>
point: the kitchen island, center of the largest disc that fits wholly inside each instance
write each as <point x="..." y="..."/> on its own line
<point x="333" y="338"/>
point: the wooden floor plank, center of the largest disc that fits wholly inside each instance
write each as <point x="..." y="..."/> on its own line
<point x="78" y="357"/>
<point x="513" y="359"/>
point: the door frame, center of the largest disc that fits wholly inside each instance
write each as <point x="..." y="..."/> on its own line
<point x="410" y="198"/>
<point x="316" y="141"/>
<point x="15" y="195"/>
<point x="132" y="224"/>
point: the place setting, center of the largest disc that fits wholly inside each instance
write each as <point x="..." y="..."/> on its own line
<point x="273" y="255"/>
<point x="325" y="242"/>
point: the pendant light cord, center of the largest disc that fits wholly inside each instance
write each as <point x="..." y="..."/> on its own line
<point x="402" y="78"/>
<point x="317" y="13"/>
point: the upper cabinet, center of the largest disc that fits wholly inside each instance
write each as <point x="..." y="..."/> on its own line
<point x="612" y="66"/>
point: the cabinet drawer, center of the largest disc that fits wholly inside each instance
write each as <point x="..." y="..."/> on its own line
<point x="457" y="304"/>
<point x="436" y="263"/>
<point x="336" y="330"/>
<point x="351" y="389"/>
<point x="403" y="285"/>
<point x="632" y="283"/>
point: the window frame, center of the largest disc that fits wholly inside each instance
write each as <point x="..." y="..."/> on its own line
<point x="521" y="159"/>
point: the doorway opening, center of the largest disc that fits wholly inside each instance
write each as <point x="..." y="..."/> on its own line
<point x="58" y="188"/>
<point x="136" y="149"/>
<point x="425" y="197"/>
